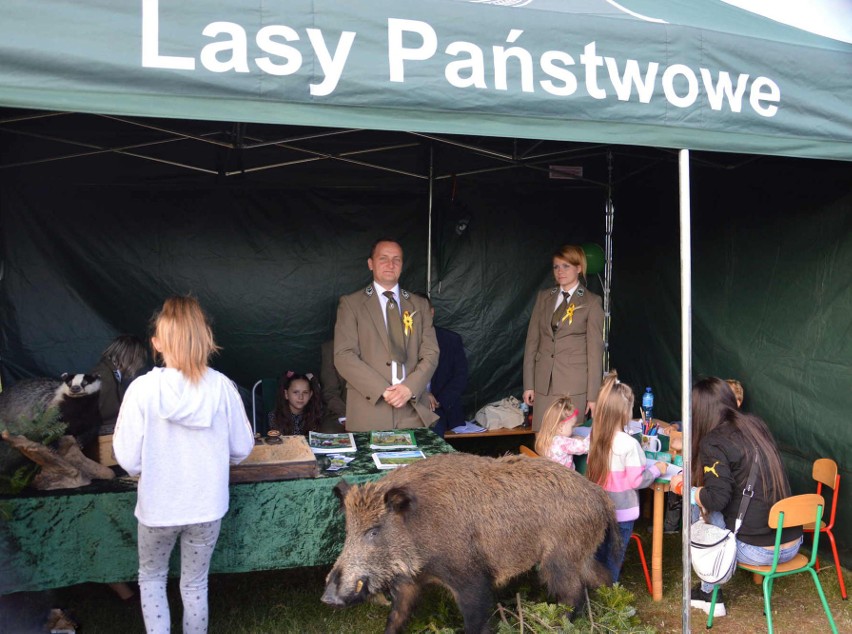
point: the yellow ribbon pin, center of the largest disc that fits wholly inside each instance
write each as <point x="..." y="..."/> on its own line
<point x="408" y="322"/>
<point x="569" y="313"/>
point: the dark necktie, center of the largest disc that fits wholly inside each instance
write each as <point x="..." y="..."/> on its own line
<point x="559" y="312"/>
<point x="397" y="343"/>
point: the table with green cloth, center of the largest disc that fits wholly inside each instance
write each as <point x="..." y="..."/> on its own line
<point x="51" y="539"/>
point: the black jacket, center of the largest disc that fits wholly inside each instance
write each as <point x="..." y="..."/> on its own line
<point x="726" y="467"/>
<point x="450" y="378"/>
<point x="110" y="396"/>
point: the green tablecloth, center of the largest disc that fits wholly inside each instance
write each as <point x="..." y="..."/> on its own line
<point x="54" y="539"/>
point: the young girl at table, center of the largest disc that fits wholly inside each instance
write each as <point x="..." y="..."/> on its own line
<point x="617" y="463"/>
<point x="554" y="440"/>
<point x="298" y="408"/>
<point x="179" y="428"/>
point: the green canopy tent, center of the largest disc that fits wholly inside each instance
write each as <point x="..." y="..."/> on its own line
<point x="642" y="73"/>
<point x="661" y="74"/>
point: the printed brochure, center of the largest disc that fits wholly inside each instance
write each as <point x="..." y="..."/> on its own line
<point x="331" y="443"/>
<point x="394" y="459"/>
<point x="403" y="439"/>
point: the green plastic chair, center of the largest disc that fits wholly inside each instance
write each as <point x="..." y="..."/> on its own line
<point x="797" y="510"/>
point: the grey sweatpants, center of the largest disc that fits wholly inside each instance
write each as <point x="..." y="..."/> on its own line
<point x="197" y="542"/>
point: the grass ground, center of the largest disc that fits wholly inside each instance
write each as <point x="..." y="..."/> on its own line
<point x="288" y="601"/>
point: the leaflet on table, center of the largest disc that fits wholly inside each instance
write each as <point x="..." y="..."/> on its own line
<point x="392" y="440"/>
<point x="394" y="459"/>
<point x="331" y="443"/>
<point x="337" y="461"/>
<point x="469" y="427"/>
<point x="671" y="469"/>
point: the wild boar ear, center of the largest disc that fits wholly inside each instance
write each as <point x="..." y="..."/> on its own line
<point x="400" y="500"/>
<point x="341" y="490"/>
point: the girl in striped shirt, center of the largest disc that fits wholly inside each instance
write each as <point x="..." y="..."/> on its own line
<point x="617" y="463"/>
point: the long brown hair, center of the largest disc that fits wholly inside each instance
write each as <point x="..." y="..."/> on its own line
<point x="558" y="411"/>
<point x="184" y="335"/>
<point x="714" y="404"/>
<point x="282" y="418"/>
<point x="613" y="410"/>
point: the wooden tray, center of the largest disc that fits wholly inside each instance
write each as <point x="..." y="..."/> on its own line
<point x="289" y="460"/>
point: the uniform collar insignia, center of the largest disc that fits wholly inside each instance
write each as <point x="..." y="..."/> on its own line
<point x="554" y="290"/>
<point x="405" y="294"/>
<point x="580" y="291"/>
<point x="369" y="291"/>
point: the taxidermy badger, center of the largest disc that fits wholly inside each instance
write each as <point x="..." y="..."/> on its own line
<point x="76" y="396"/>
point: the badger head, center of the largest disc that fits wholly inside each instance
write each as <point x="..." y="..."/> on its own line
<point x="77" y="385"/>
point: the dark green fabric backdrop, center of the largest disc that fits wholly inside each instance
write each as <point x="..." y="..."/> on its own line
<point x="772" y="300"/>
<point x="269" y="265"/>
<point x="86" y="259"/>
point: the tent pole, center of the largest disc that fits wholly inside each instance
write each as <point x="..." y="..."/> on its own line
<point x="609" y="214"/>
<point x="686" y="368"/>
<point x="429" y="229"/>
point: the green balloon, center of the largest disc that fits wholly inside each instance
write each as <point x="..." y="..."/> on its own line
<point x="595" y="258"/>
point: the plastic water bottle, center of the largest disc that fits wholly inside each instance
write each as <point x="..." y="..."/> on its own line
<point x="525" y="410"/>
<point x="648" y="404"/>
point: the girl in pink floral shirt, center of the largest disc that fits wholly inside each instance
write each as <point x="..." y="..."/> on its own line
<point x="554" y="440"/>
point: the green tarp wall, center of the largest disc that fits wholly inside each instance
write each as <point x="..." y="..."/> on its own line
<point x="88" y="252"/>
<point x="89" y="257"/>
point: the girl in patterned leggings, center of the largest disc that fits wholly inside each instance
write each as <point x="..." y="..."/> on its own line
<point x="175" y="428"/>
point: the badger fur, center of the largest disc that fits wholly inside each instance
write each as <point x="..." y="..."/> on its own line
<point x="76" y="396"/>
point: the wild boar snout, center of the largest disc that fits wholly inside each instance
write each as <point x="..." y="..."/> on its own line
<point x="337" y="593"/>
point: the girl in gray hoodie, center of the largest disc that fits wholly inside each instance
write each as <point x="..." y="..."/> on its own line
<point x="179" y="429"/>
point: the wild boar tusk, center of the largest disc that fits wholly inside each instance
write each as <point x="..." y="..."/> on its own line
<point x="359" y="585"/>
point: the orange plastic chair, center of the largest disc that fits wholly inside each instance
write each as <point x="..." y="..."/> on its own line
<point x="635" y="537"/>
<point x="526" y="451"/>
<point x="825" y="473"/>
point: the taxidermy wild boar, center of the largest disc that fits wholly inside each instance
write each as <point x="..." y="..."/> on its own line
<point x="470" y="523"/>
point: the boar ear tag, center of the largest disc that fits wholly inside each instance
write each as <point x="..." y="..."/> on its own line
<point x="399" y="500"/>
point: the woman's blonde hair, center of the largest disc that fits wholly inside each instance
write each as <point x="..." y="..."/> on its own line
<point x="614" y="408"/>
<point x="572" y="254"/>
<point x="184" y="335"/>
<point x="558" y="411"/>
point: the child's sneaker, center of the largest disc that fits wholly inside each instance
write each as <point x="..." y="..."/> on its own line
<point x="702" y="600"/>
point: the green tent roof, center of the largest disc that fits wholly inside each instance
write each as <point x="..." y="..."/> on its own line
<point x="676" y="74"/>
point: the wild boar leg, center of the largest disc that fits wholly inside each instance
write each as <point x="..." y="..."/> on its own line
<point x="475" y="599"/>
<point x="404" y="597"/>
<point x="562" y="578"/>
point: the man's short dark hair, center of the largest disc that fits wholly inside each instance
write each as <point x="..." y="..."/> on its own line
<point x="386" y="239"/>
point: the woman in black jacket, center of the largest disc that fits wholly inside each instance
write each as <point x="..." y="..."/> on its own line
<point x="725" y="442"/>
